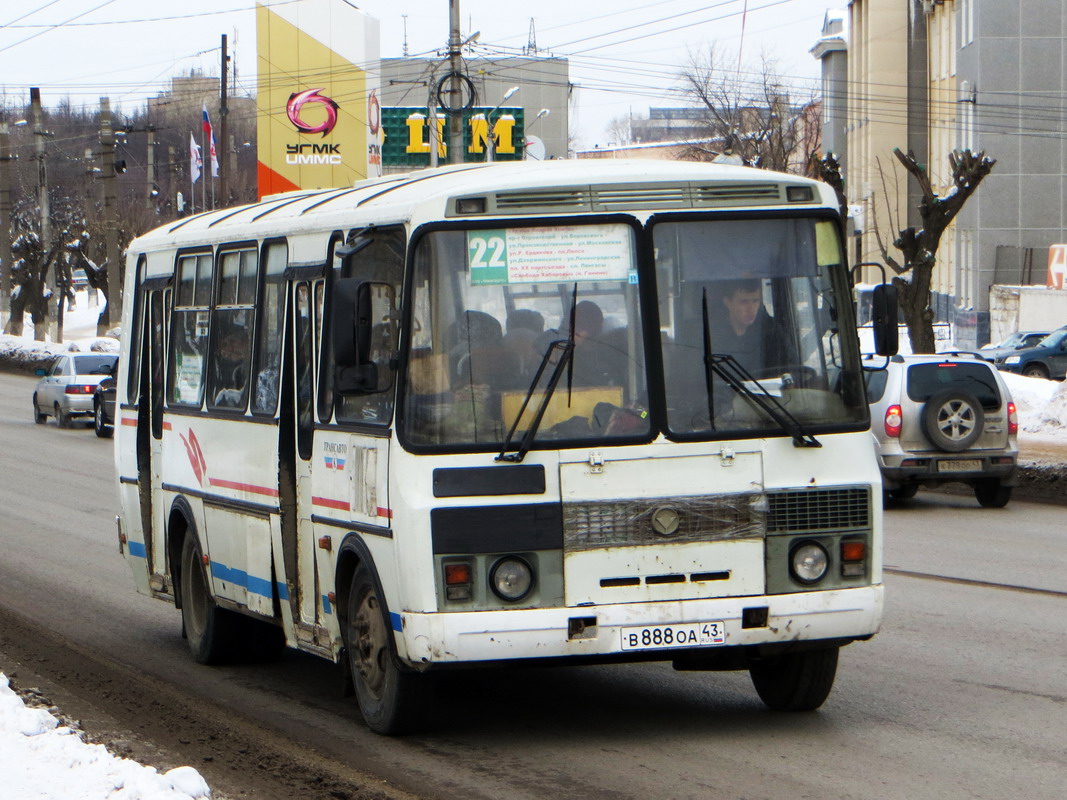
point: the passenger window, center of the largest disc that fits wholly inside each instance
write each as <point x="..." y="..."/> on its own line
<point x="271" y="327"/>
<point x="192" y="319"/>
<point x="233" y="321"/>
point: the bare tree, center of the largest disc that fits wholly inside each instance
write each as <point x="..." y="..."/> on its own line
<point x="919" y="247"/>
<point x="618" y="129"/>
<point x="751" y="113"/>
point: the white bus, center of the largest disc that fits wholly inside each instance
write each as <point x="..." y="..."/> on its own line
<point x="578" y="411"/>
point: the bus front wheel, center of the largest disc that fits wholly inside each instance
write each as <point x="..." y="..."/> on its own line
<point x="206" y="626"/>
<point x="392" y="699"/>
<point x="796" y="681"/>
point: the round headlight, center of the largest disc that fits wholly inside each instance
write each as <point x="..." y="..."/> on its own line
<point x="810" y="562"/>
<point x="511" y="578"/>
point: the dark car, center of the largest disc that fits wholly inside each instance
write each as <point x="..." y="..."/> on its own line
<point x="1020" y="340"/>
<point x="1047" y="359"/>
<point x="104" y="406"/>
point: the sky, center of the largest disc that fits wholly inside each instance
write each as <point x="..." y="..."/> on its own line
<point x="624" y="56"/>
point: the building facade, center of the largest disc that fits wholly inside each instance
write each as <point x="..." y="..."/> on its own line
<point x="933" y="76"/>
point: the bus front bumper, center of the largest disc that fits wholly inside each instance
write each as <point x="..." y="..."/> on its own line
<point x="600" y="631"/>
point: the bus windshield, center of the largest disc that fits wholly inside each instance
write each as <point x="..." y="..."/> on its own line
<point x="487" y="307"/>
<point x="757" y="300"/>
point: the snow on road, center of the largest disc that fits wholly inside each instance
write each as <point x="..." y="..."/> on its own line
<point x="42" y="759"/>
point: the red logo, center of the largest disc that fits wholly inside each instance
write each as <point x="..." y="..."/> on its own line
<point x="297" y="100"/>
<point x="196" y="456"/>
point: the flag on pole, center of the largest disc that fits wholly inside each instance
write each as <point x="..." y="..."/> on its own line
<point x="214" y="157"/>
<point x="206" y="122"/>
<point x="195" y="162"/>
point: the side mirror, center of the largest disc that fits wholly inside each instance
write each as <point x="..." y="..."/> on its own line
<point x="361" y="323"/>
<point x="884" y="319"/>
<point x="40" y="372"/>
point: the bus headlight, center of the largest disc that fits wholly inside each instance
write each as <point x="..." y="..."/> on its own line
<point x="511" y="578"/>
<point x="809" y="562"/>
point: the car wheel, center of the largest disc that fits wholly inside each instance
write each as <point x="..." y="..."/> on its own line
<point x="38" y="417"/>
<point x="392" y="699"/>
<point x="797" y="681"/>
<point x="992" y="494"/>
<point x="100" y="425"/>
<point x="62" y="420"/>
<point x="904" y="492"/>
<point x="209" y="629"/>
<point x="1036" y="370"/>
<point x="952" y="420"/>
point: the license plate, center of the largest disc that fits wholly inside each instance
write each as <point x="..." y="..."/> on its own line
<point x="963" y="465"/>
<point x="684" y="634"/>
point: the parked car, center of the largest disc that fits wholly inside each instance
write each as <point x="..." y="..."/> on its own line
<point x="944" y="418"/>
<point x="1047" y="359"/>
<point x="78" y="279"/>
<point x="1020" y="340"/>
<point x="104" y="405"/>
<point x="66" y="388"/>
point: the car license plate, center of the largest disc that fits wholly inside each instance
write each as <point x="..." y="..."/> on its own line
<point x="963" y="465"/>
<point x="683" y="634"/>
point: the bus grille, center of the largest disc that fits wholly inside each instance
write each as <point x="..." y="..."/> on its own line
<point x="591" y="526"/>
<point x="819" y="510"/>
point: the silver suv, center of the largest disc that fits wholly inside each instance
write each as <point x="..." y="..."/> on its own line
<point x="943" y="418"/>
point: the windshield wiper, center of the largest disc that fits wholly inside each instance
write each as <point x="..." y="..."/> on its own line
<point x="566" y="359"/>
<point x="565" y="349"/>
<point x="735" y="376"/>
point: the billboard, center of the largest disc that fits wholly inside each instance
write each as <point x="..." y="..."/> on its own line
<point x="319" y="119"/>
<point x="407" y="136"/>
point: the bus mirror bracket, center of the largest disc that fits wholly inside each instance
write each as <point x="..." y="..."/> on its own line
<point x="351" y="325"/>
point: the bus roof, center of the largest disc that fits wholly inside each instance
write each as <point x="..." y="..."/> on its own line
<point x="537" y="188"/>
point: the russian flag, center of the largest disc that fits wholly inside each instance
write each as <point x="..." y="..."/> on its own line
<point x="207" y="121"/>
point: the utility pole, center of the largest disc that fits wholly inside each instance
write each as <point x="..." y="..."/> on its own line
<point x="455" y="117"/>
<point x="39" y="135"/>
<point x="224" y="179"/>
<point x="111" y="234"/>
<point x="5" y="225"/>
<point x="151" y="193"/>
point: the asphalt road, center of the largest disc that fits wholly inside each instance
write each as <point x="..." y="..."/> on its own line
<point x="962" y="695"/>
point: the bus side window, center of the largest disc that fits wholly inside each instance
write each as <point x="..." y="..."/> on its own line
<point x="382" y="261"/>
<point x="271" y="326"/>
<point x="192" y="317"/>
<point x="232" y="318"/>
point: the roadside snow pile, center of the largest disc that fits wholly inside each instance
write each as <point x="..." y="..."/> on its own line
<point x="1042" y="404"/>
<point x="40" y="759"/>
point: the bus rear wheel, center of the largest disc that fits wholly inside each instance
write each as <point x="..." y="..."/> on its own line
<point x="393" y="700"/>
<point x="207" y="627"/>
<point x="796" y="681"/>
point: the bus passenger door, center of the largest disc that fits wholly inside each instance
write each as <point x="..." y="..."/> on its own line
<point x="298" y="538"/>
<point x="150" y="436"/>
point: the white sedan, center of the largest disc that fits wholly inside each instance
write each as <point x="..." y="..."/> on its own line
<point x="66" y="388"/>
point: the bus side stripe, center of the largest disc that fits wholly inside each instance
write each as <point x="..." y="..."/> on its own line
<point x="243" y="487"/>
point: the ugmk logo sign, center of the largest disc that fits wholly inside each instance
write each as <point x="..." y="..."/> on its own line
<point x="297" y="101"/>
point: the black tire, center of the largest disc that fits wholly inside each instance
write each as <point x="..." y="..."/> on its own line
<point x="38" y="417"/>
<point x="952" y="420"/>
<point x="62" y="420"/>
<point x="209" y="629"/>
<point x="904" y="492"/>
<point x="1036" y="369"/>
<point x="797" y="681"/>
<point x="991" y="493"/>
<point x="100" y="424"/>
<point x="392" y="699"/>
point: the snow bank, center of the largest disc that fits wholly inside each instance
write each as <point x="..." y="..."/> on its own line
<point x="40" y="759"/>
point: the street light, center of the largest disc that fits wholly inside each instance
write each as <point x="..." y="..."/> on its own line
<point x="490" y="145"/>
<point x="533" y="147"/>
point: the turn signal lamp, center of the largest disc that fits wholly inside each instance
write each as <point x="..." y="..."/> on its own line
<point x="1013" y="420"/>
<point x="853" y="556"/>
<point x="459" y="578"/>
<point x="893" y="419"/>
